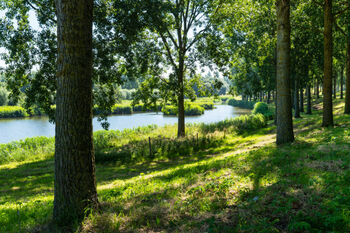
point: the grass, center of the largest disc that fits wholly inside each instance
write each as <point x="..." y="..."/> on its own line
<point x="242" y="184"/>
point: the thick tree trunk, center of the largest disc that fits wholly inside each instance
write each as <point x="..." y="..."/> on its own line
<point x="342" y="83"/>
<point x="308" y="94"/>
<point x="347" y="87"/>
<point x="285" y="132"/>
<point x="296" y="98"/>
<point x="328" y="65"/>
<point x="75" y="183"/>
<point x="302" y="100"/>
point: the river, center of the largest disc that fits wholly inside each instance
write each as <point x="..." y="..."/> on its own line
<point x="16" y="129"/>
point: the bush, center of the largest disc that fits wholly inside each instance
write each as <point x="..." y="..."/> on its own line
<point x="263" y="108"/>
<point x="260" y="107"/>
<point x="191" y="109"/>
<point x="241" y="103"/>
<point x="170" y="110"/>
<point x="121" y="109"/>
<point x="207" y="105"/>
<point x="12" y="112"/>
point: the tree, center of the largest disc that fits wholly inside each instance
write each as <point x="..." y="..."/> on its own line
<point x="284" y="109"/>
<point x="328" y="65"/>
<point x="75" y="182"/>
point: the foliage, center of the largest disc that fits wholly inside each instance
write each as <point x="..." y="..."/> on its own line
<point x="12" y="112"/>
<point x="241" y="103"/>
<point x="3" y="96"/>
<point x="191" y="109"/>
<point x="263" y="109"/>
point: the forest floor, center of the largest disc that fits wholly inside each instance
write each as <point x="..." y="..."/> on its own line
<point x="246" y="184"/>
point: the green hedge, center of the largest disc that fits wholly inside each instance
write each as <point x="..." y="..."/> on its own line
<point x="241" y="103"/>
<point x="207" y="105"/>
<point x="12" y="112"/>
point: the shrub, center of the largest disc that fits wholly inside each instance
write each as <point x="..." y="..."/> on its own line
<point x="207" y="105"/>
<point x="191" y="109"/>
<point x="170" y="110"/>
<point x="263" y="108"/>
<point x="121" y="109"/>
<point x="260" y="107"/>
<point x="241" y="103"/>
<point x="12" y="112"/>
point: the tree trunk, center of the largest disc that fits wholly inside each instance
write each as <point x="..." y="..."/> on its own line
<point x="308" y="94"/>
<point x="285" y="132"/>
<point x="181" y="101"/>
<point x="342" y="83"/>
<point x="328" y="65"/>
<point x="302" y="100"/>
<point x="317" y="89"/>
<point x="296" y="98"/>
<point x="268" y="97"/>
<point x="75" y="183"/>
<point x="347" y="87"/>
<point x="335" y="86"/>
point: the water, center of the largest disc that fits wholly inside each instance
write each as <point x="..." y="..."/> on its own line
<point x="16" y="129"/>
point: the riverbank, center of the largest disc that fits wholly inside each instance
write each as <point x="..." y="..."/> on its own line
<point x="240" y="183"/>
<point x="125" y="107"/>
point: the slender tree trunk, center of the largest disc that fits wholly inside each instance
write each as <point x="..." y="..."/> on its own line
<point x="328" y="65"/>
<point x="335" y="86"/>
<point x="342" y="83"/>
<point x="308" y="94"/>
<point x="302" y="100"/>
<point x="285" y="132"/>
<point x="296" y="98"/>
<point x="181" y="101"/>
<point x="75" y="183"/>
<point x="268" y="97"/>
<point x="317" y="89"/>
<point x="347" y="87"/>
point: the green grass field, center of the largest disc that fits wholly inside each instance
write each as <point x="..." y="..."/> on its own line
<point x="241" y="183"/>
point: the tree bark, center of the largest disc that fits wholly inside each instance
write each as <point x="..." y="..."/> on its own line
<point x="181" y="101"/>
<point x="342" y="83"/>
<point x="75" y="183"/>
<point x="296" y="97"/>
<point x="335" y="86"/>
<point x="302" y="100"/>
<point x="328" y="65"/>
<point x="285" y="132"/>
<point x="308" y="94"/>
<point x="347" y="86"/>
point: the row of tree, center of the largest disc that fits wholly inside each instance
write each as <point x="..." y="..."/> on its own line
<point x="83" y="44"/>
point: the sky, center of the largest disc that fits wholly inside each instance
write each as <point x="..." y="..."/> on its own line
<point x="33" y="23"/>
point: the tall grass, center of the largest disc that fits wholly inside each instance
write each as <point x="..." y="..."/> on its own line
<point x="241" y="103"/>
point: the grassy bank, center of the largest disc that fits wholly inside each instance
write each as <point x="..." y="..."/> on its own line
<point x="239" y="183"/>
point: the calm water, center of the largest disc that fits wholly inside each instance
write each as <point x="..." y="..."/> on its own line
<point x="16" y="129"/>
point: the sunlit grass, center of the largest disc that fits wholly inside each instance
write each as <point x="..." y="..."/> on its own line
<point x="243" y="184"/>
